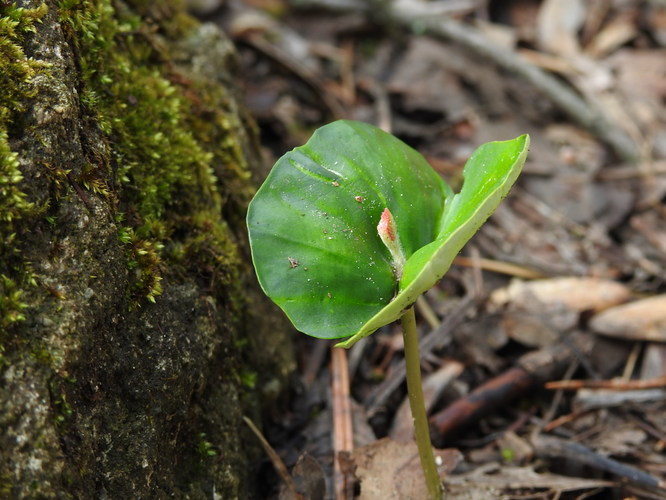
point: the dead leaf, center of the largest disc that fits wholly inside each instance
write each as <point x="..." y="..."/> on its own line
<point x="426" y="80"/>
<point x="538" y="326"/>
<point x="641" y="320"/>
<point x="615" y="34"/>
<point x="480" y="338"/>
<point x="499" y="34"/>
<point x="491" y="482"/>
<point x="577" y="294"/>
<point x="537" y="313"/>
<point x="624" y="440"/>
<point x="392" y="471"/>
<point x="641" y="81"/>
<point x="309" y="479"/>
<point x="558" y="24"/>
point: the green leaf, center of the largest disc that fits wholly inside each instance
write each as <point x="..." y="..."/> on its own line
<point x="313" y="225"/>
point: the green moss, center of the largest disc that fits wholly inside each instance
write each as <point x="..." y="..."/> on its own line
<point x="62" y="409"/>
<point x="205" y="448"/>
<point x="158" y="152"/>
<point x="18" y="71"/>
<point x="166" y="134"/>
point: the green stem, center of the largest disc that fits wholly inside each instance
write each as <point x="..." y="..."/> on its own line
<point x="417" y="405"/>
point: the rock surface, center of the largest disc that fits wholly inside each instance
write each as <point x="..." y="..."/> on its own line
<point x="132" y="335"/>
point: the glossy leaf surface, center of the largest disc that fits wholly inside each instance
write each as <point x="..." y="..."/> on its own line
<point x="313" y="225"/>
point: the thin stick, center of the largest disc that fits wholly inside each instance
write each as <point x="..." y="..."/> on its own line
<point x="500" y="267"/>
<point x="343" y="439"/>
<point x="279" y="465"/>
<point x="614" y="384"/>
<point x="417" y="404"/>
<point x="552" y="447"/>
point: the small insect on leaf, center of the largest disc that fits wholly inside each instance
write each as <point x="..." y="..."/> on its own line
<point x="293" y="263"/>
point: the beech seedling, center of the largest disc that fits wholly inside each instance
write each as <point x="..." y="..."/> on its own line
<point x="351" y="228"/>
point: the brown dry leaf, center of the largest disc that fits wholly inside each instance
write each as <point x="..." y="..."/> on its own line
<point x="487" y="482"/>
<point x="641" y="80"/>
<point x="615" y="34"/>
<point x="576" y="294"/>
<point x="499" y="34"/>
<point x="536" y="325"/>
<point x="525" y="229"/>
<point x="624" y="439"/>
<point x="426" y="80"/>
<point x="641" y="320"/>
<point x="479" y="339"/>
<point x="363" y="433"/>
<point x="571" y="186"/>
<point x="559" y="22"/>
<point x="538" y="312"/>
<point x="392" y="471"/>
<point x="309" y="479"/>
<point x="576" y="149"/>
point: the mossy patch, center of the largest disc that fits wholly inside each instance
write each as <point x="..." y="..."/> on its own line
<point x="125" y="171"/>
<point x="18" y="71"/>
<point x="146" y="112"/>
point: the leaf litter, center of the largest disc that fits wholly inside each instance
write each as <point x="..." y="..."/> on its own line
<point x="587" y="217"/>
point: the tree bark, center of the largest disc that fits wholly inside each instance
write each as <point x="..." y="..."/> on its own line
<point x="132" y="335"/>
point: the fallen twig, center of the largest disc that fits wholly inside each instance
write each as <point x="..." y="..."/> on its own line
<point x="277" y="462"/>
<point x="552" y="447"/>
<point x="616" y="384"/>
<point x="343" y="439"/>
<point x="533" y="369"/>
<point x="500" y="267"/>
<point x="483" y="400"/>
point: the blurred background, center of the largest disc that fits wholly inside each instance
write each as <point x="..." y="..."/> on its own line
<point x="544" y="357"/>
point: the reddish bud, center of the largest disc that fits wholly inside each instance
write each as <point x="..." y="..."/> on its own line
<point x="386" y="225"/>
<point x="388" y="233"/>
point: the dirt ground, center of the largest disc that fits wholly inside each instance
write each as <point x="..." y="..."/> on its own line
<point x="543" y="348"/>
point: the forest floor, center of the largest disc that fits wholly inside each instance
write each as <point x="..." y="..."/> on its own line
<point x="545" y="366"/>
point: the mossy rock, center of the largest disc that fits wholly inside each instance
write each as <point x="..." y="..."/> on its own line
<point x="131" y="342"/>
